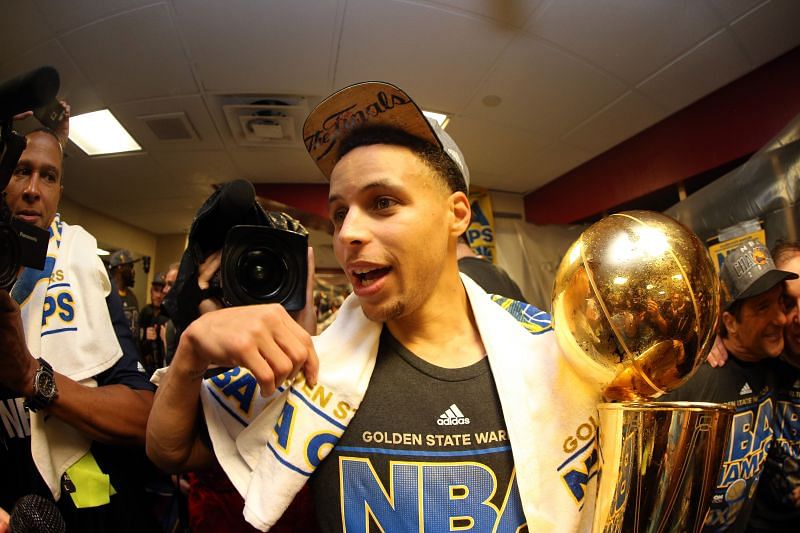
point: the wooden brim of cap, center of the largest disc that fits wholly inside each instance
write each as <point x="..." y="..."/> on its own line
<point x="370" y="103"/>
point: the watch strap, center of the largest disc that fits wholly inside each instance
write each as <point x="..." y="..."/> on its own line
<point x="42" y="398"/>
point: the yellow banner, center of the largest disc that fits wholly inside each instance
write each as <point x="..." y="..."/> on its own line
<point x="720" y="250"/>
<point x="481" y="232"/>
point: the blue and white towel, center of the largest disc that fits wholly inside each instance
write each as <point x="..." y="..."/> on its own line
<point x="269" y="447"/>
<point x="66" y="321"/>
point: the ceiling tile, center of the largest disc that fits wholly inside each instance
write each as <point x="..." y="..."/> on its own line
<point x="194" y="109"/>
<point x="241" y="46"/>
<point x="557" y="160"/>
<point x="493" y="149"/>
<point x="63" y="16"/>
<point x="530" y="170"/>
<point x="630" y="39"/>
<point x="27" y="30"/>
<point x="116" y="174"/>
<point x="622" y="119"/>
<point x="770" y="30"/>
<point x="439" y="63"/>
<point x="276" y="165"/>
<point x="75" y="89"/>
<point x="132" y="56"/>
<point x="713" y="64"/>
<point x="201" y="169"/>
<point x="509" y="12"/>
<point x="732" y="9"/>
<point x="543" y="90"/>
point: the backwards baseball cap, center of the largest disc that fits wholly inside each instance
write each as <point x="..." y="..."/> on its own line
<point x="120" y="257"/>
<point x="160" y="279"/>
<point x="748" y="271"/>
<point x="370" y="103"/>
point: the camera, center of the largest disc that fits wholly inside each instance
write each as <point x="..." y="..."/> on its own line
<point x="264" y="253"/>
<point x="21" y="244"/>
<point x="264" y="265"/>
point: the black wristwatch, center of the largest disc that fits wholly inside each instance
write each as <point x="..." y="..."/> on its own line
<point x="44" y="387"/>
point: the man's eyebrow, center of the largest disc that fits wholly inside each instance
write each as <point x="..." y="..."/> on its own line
<point x="378" y="184"/>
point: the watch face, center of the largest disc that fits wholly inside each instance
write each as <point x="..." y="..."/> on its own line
<point x="45" y="384"/>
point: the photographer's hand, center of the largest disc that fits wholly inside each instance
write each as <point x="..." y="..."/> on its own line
<point x="62" y="130"/>
<point x="205" y="272"/>
<point x="18" y="365"/>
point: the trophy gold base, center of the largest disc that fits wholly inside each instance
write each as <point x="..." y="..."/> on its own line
<point x="660" y="463"/>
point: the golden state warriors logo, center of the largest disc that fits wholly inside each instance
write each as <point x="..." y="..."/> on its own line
<point x="759" y="257"/>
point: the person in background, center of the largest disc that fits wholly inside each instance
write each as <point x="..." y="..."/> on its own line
<point x="490" y="277"/>
<point x="73" y="399"/>
<point x="751" y="327"/>
<point x="777" y="499"/>
<point x="168" y="334"/>
<point x="151" y="321"/>
<point x="124" y="276"/>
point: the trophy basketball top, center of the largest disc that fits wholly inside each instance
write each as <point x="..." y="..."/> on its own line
<point x="635" y="304"/>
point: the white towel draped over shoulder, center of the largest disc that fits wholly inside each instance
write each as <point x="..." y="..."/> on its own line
<point x="269" y="447"/>
<point x="66" y="322"/>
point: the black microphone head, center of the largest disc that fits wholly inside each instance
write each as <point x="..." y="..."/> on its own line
<point x="35" y="514"/>
<point x="28" y="91"/>
<point x="236" y="197"/>
<point x="230" y="205"/>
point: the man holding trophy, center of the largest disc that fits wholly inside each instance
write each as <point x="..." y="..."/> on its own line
<point x="427" y="405"/>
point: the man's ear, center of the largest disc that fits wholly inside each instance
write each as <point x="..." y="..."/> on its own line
<point x="730" y="323"/>
<point x="461" y="213"/>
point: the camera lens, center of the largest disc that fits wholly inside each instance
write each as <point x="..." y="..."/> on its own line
<point x="261" y="272"/>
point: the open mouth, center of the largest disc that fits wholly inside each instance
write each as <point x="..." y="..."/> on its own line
<point x="368" y="277"/>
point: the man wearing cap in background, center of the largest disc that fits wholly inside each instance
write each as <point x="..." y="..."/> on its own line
<point x="777" y="499"/>
<point x="151" y="320"/>
<point x="425" y="388"/>
<point x="73" y="401"/>
<point x="124" y="276"/>
<point x="752" y="328"/>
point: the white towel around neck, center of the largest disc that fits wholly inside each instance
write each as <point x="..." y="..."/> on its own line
<point x="66" y="322"/>
<point x="549" y="410"/>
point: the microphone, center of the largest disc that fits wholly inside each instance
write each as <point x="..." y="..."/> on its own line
<point x="35" y="514"/>
<point x="231" y="205"/>
<point x="28" y="91"/>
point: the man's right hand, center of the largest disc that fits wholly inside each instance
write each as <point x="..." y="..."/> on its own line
<point x="262" y="338"/>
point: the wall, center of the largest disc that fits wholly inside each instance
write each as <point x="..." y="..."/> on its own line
<point x="169" y="250"/>
<point x="111" y="233"/>
<point x="731" y="122"/>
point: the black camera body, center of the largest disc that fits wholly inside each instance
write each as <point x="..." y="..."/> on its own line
<point x="261" y="264"/>
<point x="21" y="244"/>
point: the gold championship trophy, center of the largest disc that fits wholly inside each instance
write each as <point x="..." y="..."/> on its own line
<point x="635" y="305"/>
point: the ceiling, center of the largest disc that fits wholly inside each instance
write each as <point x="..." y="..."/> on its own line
<point x="534" y="87"/>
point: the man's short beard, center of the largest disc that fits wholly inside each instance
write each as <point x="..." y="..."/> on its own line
<point x="394" y="310"/>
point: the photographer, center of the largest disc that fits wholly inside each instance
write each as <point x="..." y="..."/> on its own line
<point x="194" y="288"/>
<point x="75" y="404"/>
<point x="151" y="322"/>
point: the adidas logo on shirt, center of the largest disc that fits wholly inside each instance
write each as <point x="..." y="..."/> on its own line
<point x="746" y="390"/>
<point x="452" y="417"/>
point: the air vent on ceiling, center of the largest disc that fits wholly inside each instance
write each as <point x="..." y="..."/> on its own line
<point x="170" y="127"/>
<point x="265" y="120"/>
